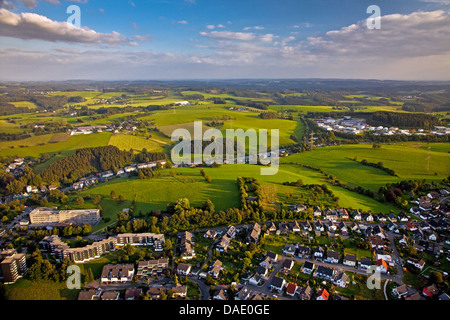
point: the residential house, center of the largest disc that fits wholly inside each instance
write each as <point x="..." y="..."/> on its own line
<point x="403" y="291"/>
<point x="341" y="279"/>
<point x="305" y="293"/>
<point x="333" y="256"/>
<point x="411" y="226"/>
<point x="184" y="269"/>
<point x="255" y="279"/>
<point x="291" y="289"/>
<point x="364" y="263"/>
<point x="308" y="267"/>
<point x="271" y="227"/>
<point x="89" y="295"/>
<point x="216" y="268"/>
<point x="402" y="217"/>
<point x="325" y="273"/>
<point x="331" y="215"/>
<point x="343" y="214"/>
<point x="354" y="227"/>
<point x="117" y="273"/>
<point x="277" y="283"/>
<point x="133" y="293"/>
<point x="110" y="295"/>
<point x="155" y="291"/>
<point x="210" y="234"/>
<point x="317" y="212"/>
<point x="272" y="256"/>
<point x="404" y="240"/>
<point x="318" y="226"/>
<point x="266" y="263"/>
<point x="319" y="253"/>
<point x="392" y="217"/>
<point x="377" y="242"/>
<point x="356" y="215"/>
<point x="178" y="290"/>
<point x="253" y="233"/>
<point x="289" y="249"/>
<point x="430" y="291"/>
<point x="350" y="260"/>
<point x="381" y="266"/>
<point x="303" y="252"/>
<point x="419" y="264"/>
<point x="231" y="232"/>
<point x="219" y="295"/>
<point x="288" y="264"/>
<point x="224" y="243"/>
<point x="367" y="217"/>
<point x="294" y="226"/>
<point x="322" y="294"/>
<point x="381" y="217"/>
<point x="260" y="270"/>
<point x="343" y="228"/>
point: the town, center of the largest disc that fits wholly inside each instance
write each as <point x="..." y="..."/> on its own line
<point x="324" y="258"/>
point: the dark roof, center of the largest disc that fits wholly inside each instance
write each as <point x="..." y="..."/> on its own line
<point x="277" y="282"/>
<point x="325" y="270"/>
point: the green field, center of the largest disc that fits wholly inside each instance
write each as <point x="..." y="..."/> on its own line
<point x="407" y="160"/>
<point x="39" y="290"/>
<point x="37" y="145"/>
<point x="156" y="193"/>
<point x="137" y="143"/>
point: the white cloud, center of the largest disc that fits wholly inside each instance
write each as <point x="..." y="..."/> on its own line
<point x="182" y="22"/>
<point x="242" y="36"/>
<point x="413" y="35"/>
<point x="28" y="26"/>
<point x="254" y="28"/>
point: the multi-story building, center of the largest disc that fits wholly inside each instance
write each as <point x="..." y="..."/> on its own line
<point x="113" y="273"/>
<point x="151" y="267"/>
<point x="51" y="215"/>
<point x="61" y="250"/>
<point x="13" y="266"/>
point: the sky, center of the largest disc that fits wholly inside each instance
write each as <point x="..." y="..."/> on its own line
<point x="224" y="39"/>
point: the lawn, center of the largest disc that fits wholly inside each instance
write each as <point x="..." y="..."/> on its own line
<point x="37" y="145"/>
<point x="406" y="161"/>
<point x="137" y="143"/>
<point x="40" y="290"/>
<point x="156" y="193"/>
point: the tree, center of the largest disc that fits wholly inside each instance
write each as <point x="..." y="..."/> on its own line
<point x="412" y="251"/>
<point x="87" y="228"/>
<point x="436" y="277"/>
<point x="80" y="201"/>
<point x="113" y="195"/>
<point x="168" y="245"/>
<point x="97" y="200"/>
<point x="89" y="276"/>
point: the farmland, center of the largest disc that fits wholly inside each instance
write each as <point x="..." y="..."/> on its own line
<point x="409" y="160"/>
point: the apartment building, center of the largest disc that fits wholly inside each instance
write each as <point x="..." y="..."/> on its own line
<point x="142" y="239"/>
<point x="114" y="273"/>
<point x="13" y="266"/>
<point x="61" y="250"/>
<point x="149" y="268"/>
<point x="51" y="216"/>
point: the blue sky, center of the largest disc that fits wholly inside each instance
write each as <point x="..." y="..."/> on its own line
<point x="155" y="39"/>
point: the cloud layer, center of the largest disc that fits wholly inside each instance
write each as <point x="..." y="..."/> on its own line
<point x="408" y="46"/>
<point x="28" y="26"/>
